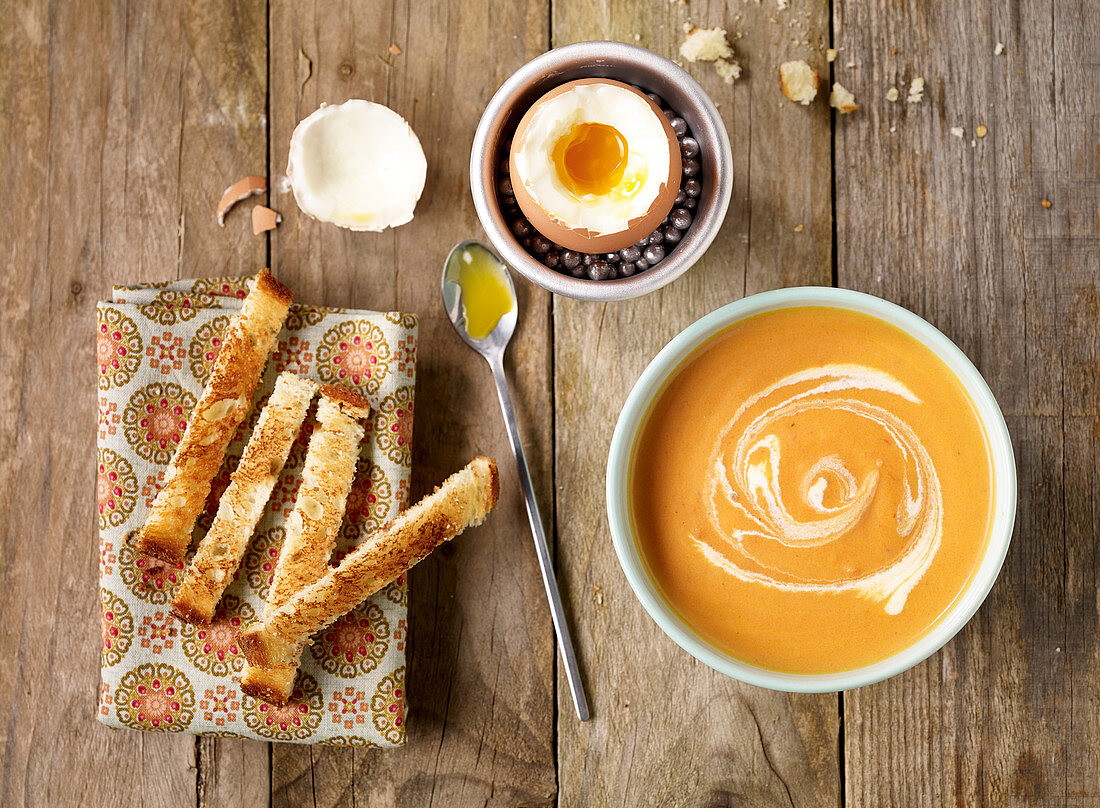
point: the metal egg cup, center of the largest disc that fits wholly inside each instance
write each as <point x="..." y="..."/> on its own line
<point x="633" y="65"/>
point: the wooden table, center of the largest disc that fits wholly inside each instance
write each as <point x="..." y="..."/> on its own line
<point x="123" y="122"/>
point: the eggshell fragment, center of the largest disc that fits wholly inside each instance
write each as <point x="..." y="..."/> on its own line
<point x="264" y="219"/>
<point x="583" y="239"/>
<point x="239" y="191"/>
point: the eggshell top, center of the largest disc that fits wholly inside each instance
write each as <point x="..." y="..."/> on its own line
<point x="357" y="165"/>
<point x="588" y="222"/>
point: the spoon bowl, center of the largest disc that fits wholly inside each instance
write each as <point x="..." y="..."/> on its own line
<point x="497" y="339"/>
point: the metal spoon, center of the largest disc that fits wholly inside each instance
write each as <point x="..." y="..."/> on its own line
<point x="492" y="349"/>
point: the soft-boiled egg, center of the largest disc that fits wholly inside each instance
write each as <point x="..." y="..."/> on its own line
<point x="595" y="165"/>
<point x="358" y="165"/>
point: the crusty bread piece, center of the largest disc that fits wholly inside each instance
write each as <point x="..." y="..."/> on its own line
<point x="221" y="408"/>
<point x="312" y="526"/>
<point x="464" y="499"/>
<point x="842" y="100"/>
<point x="798" y="81"/>
<point x="221" y="550"/>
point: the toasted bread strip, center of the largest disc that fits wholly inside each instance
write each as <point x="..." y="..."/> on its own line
<point x="221" y="550"/>
<point x="311" y="528"/>
<point x="464" y="499"/>
<point x="221" y="408"/>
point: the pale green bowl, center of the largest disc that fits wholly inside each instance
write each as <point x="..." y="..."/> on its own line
<point x="665" y="365"/>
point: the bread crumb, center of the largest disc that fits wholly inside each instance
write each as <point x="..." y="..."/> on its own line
<point x="916" y="90"/>
<point x="981" y="131"/>
<point x="957" y="131"/>
<point x="637" y="37"/>
<point x="798" y="81"/>
<point x="798" y="229"/>
<point x="687" y="26"/>
<point x="1045" y="203"/>
<point x="711" y="45"/>
<point x="842" y="100"/>
<point x="831" y="54"/>
<point x="892" y="94"/>
<point x="997" y="51"/>
<point x="783" y="4"/>
<point x="395" y="49"/>
<point x="893" y="128"/>
<point x="850" y="64"/>
<point x="728" y="71"/>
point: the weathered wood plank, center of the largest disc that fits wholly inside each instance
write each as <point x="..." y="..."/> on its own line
<point x="481" y="654"/>
<point x="1006" y="713"/>
<point x="668" y="730"/>
<point x="110" y="130"/>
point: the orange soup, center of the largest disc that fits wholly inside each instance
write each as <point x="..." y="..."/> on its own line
<point x="812" y="490"/>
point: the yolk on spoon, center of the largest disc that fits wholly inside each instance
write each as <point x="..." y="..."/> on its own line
<point x="486" y="293"/>
<point x="590" y="158"/>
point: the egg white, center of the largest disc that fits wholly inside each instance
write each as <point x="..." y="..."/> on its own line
<point x="647" y="153"/>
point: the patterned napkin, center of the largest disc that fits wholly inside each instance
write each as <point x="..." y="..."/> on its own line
<point x="155" y="346"/>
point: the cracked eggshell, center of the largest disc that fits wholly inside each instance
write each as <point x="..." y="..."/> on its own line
<point x="580" y="238"/>
<point x="357" y="165"/>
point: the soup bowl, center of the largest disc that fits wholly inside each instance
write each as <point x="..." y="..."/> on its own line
<point x="665" y="366"/>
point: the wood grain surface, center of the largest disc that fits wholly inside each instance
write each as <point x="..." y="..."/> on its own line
<point x="123" y="122"/>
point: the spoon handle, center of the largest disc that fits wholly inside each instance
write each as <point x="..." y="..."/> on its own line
<point x="542" y="549"/>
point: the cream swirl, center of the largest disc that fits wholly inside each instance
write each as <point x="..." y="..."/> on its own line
<point x="748" y="510"/>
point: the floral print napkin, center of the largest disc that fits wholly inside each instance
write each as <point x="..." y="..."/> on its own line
<point x="155" y="345"/>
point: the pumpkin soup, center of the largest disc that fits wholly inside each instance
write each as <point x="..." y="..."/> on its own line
<point x="812" y="490"/>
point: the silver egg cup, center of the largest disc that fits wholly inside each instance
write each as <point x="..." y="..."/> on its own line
<point x="633" y="65"/>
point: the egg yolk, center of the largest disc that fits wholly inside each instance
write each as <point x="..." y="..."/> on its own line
<point x="591" y="158"/>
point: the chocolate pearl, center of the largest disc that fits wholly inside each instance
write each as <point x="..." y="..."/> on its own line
<point x="630" y="254"/>
<point x="522" y="228"/>
<point x="689" y="147"/>
<point x="540" y="244"/>
<point x="527" y="242"/>
<point x="691" y="168"/>
<point x="552" y="260"/>
<point x="679" y="126"/>
<point x="669" y="114"/>
<point x="641" y="245"/>
<point x="570" y="259"/>
<point x="626" y="269"/>
<point x="578" y="271"/>
<point x="505" y="186"/>
<point x="680" y="218"/>
<point x="599" y="270"/>
<point x="654" y="253"/>
<point x="654" y="237"/>
<point x="693" y="187"/>
<point x="503" y="165"/>
<point x="612" y="257"/>
<point x="691" y="203"/>
<point x="587" y="259"/>
<point x="641" y="265"/>
<point x="680" y="197"/>
<point x="656" y="99"/>
<point x="614" y="272"/>
<point x="672" y="235"/>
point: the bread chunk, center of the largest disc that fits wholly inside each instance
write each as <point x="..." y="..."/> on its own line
<point x="463" y="500"/>
<point x="842" y="100"/>
<point x="312" y="526"/>
<point x="798" y="81"/>
<point x="224" y="403"/>
<point x="220" y="552"/>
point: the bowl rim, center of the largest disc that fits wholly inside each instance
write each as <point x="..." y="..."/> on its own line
<point x="664" y="366"/>
<point x="598" y="55"/>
